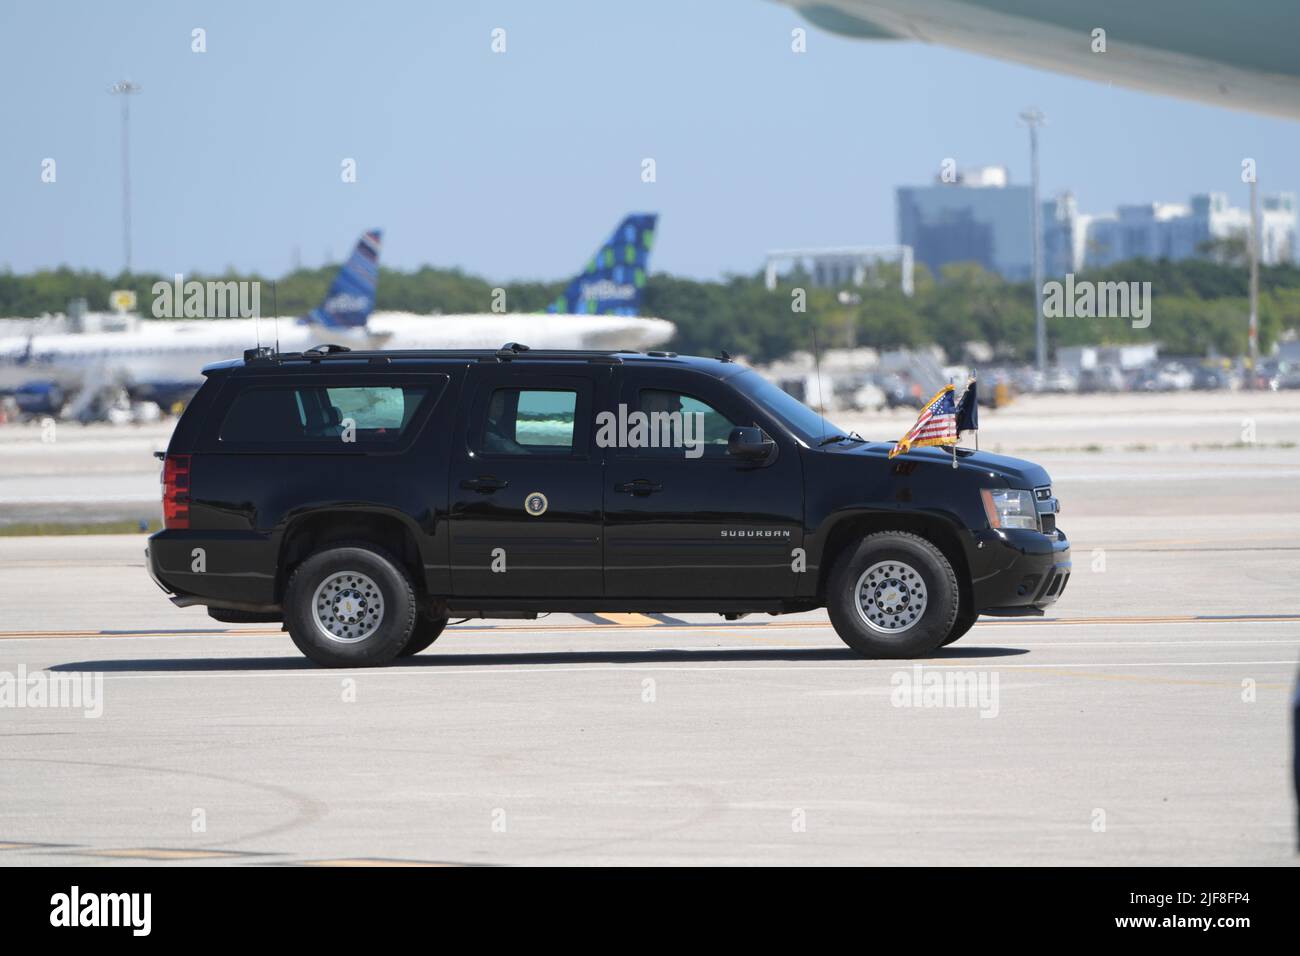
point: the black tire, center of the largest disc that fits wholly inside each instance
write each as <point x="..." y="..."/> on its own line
<point x="965" y="621"/>
<point x="925" y="579"/>
<point x="427" y="630"/>
<point x="386" y="596"/>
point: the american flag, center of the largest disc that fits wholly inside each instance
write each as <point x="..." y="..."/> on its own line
<point x="937" y="425"/>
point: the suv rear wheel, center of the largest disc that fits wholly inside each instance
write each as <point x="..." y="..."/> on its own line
<point x="894" y="595"/>
<point x="350" y="606"/>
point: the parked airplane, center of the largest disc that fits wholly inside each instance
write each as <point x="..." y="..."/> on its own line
<point x="161" y="360"/>
<point x="597" y="310"/>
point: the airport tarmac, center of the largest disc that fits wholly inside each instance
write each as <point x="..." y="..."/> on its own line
<point x="1145" y="720"/>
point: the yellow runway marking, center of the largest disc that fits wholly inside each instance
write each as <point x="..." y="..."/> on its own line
<point x="156" y="853"/>
<point x="372" y="861"/>
<point x="630" y="620"/>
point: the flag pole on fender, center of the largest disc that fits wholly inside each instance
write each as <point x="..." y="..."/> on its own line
<point x="957" y="437"/>
<point x="968" y="410"/>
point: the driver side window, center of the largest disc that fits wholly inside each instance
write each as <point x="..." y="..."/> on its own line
<point x="679" y="423"/>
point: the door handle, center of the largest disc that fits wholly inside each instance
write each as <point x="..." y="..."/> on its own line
<point x="642" y="487"/>
<point x="485" y="484"/>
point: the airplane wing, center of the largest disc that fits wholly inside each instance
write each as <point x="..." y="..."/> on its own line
<point x="1239" y="55"/>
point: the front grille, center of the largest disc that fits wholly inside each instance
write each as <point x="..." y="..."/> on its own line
<point x="1047" y="522"/>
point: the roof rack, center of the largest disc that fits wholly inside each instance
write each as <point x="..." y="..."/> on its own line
<point x="510" y="352"/>
<point x="513" y="351"/>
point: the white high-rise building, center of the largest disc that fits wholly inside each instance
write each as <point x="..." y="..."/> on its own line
<point x="1180" y="231"/>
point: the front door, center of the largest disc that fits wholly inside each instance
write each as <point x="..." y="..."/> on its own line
<point x="690" y="521"/>
<point x="526" y="484"/>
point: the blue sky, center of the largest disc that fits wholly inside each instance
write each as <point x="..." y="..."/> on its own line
<point x="517" y="165"/>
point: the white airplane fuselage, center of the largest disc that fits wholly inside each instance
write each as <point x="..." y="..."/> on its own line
<point x="173" y="353"/>
<point x="405" y="330"/>
<point x="159" y="352"/>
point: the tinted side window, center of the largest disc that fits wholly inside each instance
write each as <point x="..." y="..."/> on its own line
<point x="706" y="425"/>
<point x="530" y="422"/>
<point x="366" y="415"/>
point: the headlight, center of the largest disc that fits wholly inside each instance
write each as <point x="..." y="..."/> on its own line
<point x="1010" y="508"/>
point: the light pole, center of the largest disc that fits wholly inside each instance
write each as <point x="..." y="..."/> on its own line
<point x="126" y="89"/>
<point x="1034" y="118"/>
<point x="1252" y="247"/>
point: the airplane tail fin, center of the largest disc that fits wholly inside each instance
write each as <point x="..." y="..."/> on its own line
<point x="351" y="296"/>
<point x="615" y="277"/>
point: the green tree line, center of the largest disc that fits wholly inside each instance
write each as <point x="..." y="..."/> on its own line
<point x="1198" y="306"/>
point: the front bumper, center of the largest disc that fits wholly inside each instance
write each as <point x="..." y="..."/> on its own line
<point x="1019" y="570"/>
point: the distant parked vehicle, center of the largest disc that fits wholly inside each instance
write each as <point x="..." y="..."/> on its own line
<point x="1060" y="381"/>
<point x="1176" y="376"/>
<point x="1102" y="378"/>
<point x="1167" y="377"/>
<point x="1288" y="376"/>
<point x="1208" y="379"/>
<point x="869" y="398"/>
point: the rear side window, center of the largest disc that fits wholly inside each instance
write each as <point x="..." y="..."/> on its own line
<point x="360" y="414"/>
<point x="530" y="422"/>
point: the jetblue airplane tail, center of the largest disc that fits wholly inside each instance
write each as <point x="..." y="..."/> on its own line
<point x="615" y="277"/>
<point x="352" y="295"/>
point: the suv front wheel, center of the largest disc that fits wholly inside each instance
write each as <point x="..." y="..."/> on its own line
<point x="350" y="606"/>
<point x="428" y="628"/>
<point x="894" y="595"/>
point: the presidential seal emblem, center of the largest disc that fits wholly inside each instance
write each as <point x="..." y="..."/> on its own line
<point x="535" y="504"/>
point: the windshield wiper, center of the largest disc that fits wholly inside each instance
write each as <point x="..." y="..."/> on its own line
<point x="851" y="436"/>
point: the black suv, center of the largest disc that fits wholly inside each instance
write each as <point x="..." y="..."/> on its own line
<point x="363" y="498"/>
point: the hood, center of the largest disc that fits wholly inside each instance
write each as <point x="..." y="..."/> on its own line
<point x="1016" y="472"/>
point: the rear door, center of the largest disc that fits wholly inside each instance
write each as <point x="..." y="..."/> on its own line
<point x="525" y="483"/>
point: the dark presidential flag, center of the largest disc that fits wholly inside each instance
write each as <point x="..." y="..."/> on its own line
<point x="968" y="410"/>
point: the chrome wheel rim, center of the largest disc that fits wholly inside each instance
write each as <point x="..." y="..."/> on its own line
<point x="890" y="597"/>
<point x="347" y="607"/>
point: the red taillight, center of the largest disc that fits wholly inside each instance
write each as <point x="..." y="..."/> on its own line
<point x="176" y="491"/>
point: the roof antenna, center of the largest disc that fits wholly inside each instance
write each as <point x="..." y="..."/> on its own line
<point x="817" y="365"/>
<point x="275" y="307"/>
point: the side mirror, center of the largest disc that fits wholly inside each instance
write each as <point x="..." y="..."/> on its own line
<point x="749" y="444"/>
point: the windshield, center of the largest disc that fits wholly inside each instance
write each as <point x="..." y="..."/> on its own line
<point x="792" y="413"/>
